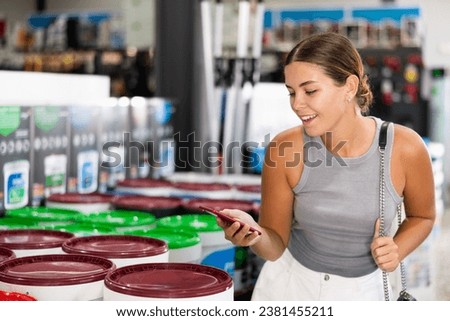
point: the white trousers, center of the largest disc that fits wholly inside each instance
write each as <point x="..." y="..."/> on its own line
<point x="287" y="280"/>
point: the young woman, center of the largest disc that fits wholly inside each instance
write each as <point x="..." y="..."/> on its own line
<point x="320" y="186"/>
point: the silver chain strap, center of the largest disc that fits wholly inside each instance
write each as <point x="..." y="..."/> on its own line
<point x="402" y="265"/>
<point x="382" y="226"/>
<point x="382" y="229"/>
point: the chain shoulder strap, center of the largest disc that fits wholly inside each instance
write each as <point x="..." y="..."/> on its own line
<point x="382" y="148"/>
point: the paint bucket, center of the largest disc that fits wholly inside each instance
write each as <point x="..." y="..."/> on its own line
<point x="184" y="246"/>
<point x="145" y="186"/>
<point x="83" y="229"/>
<point x="249" y="207"/>
<point x="240" y="278"/>
<point x="15" y="296"/>
<point x="43" y="216"/>
<point x="6" y="254"/>
<point x="240" y="179"/>
<point x="85" y="203"/>
<point x="56" y="277"/>
<point x="158" y="206"/>
<point x="121" y="249"/>
<point x="12" y="223"/>
<point x="120" y="221"/>
<point x="202" y="190"/>
<point x="248" y="192"/>
<point x="192" y="177"/>
<point x="27" y="242"/>
<point x="216" y="250"/>
<point x="168" y="281"/>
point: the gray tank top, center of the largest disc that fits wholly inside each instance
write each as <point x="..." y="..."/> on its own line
<point x="335" y="208"/>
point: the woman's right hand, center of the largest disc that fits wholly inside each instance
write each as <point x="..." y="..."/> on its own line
<point x="241" y="236"/>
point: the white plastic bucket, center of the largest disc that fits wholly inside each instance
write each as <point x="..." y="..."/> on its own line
<point x="86" y="203"/>
<point x="6" y="254"/>
<point x="193" y="177"/>
<point x="123" y="250"/>
<point x="184" y="246"/>
<point x="145" y="186"/>
<point x="247" y="192"/>
<point x="202" y="190"/>
<point x="56" y="277"/>
<point x="216" y="250"/>
<point x="240" y="179"/>
<point x="156" y="205"/>
<point x="28" y="242"/>
<point x="15" y="296"/>
<point x="120" y="221"/>
<point x="168" y="281"/>
<point x="193" y="205"/>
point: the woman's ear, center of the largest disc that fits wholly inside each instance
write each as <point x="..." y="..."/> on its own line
<point x="352" y="84"/>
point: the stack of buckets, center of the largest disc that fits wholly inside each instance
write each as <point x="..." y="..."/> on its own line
<point x="216" y="250"/>
<point x="97" y="245"/>
<point x="143" y="246"/>
<point x="183" y="194"/>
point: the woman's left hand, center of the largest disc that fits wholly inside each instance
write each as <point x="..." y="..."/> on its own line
<point x="384" y="250"/>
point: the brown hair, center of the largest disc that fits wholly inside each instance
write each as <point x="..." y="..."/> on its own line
<point x="337" y="56"/>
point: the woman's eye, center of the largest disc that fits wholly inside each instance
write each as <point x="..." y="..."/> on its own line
<point x="310" y="92"/>
<point x="291" y="94"/>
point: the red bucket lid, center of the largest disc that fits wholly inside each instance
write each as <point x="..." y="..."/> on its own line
<point x="193" y="205"/>
<point x="77" y="198"/>
<point x="55" y="269"/>
<point x="115" y="246"/>
<point x="6" y="254"/>
<point x="144" y="183"/>
<point x="168" y="280"/>
<point x="15" y="296"/>
<point x="22" y="239"/>
<point x="195" y="186"/>
<point x="146" y="203"/>
<point x="249" y="188"/>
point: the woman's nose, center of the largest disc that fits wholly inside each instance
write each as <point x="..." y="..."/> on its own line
<point x="298" y="103"/>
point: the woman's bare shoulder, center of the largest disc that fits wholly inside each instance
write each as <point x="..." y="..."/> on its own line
<point x="293" y="134"/>
<point x="408" y="141"/>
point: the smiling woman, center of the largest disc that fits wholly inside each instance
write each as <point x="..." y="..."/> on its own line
<point x="319" y="218"/>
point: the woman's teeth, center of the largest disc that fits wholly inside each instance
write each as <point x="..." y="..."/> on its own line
<point x="307" y="118"/>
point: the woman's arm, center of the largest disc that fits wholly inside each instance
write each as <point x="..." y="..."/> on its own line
<point x="419" y="198"/>
<point x="412" y="164"/>
<point x="281" y="170"/>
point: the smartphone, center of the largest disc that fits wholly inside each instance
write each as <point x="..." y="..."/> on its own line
<point x="226" y="218"/>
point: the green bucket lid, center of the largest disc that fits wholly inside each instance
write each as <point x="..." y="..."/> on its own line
<point x="191" y="222"/>
<point x="52" y="225"/>
<point x="175" y="239"/>
<point x="119" y="218"/>
<point x="82" y="229"/>
<point x="12" y="223"/>
<point x="43" y="213"/>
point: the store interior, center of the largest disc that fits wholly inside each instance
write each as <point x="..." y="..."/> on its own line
<point x="161" y="106"/>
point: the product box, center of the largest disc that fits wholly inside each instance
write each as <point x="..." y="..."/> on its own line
<point x="162" y="145"/>
<point x="114" y="128"/>
<point x="84" y="127"/>
<point x="50" y="129"/>
<point x="15" y="156"/>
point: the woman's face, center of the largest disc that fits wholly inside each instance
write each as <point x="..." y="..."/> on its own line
<point x="315" y="97"/>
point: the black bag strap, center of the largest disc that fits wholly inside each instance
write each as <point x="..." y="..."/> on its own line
<point x="382" y="140"/>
